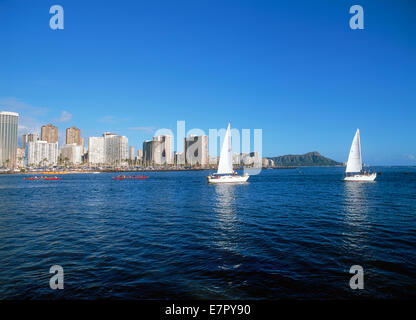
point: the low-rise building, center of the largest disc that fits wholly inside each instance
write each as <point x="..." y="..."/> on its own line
<point x="179" y="158"/>
<point x="20" y="157"/>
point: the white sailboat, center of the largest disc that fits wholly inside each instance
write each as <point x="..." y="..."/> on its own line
<point x="225" y="172"/>
<point x="354" y="170"/>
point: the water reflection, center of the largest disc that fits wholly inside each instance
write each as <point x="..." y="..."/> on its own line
<point x="225" y="207"/>
<point x="356" y="202"/>
<point x="356" y="215"/>
<point x="225" y="198"/>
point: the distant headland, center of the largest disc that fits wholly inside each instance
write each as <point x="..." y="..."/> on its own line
<point x="310" y="159"/>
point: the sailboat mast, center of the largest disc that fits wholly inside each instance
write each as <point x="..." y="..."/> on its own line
<point x="359" y="149"/>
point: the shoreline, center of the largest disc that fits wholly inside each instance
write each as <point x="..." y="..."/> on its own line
<point x="126" y="170"/>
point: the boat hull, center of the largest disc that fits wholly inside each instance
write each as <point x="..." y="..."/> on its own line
<point x="361" y="177"/>
<point x="228" y="179"/>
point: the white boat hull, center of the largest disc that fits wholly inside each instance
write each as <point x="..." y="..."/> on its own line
<point x="361" y="177"/>
<point x="228" y="179"/>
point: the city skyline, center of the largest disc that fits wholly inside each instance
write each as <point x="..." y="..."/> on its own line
<point x="270" y="66"/>
<point x="62" y="135"/>
<point x="111" y="149"/>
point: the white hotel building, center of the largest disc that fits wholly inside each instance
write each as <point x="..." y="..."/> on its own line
<point x="73" y="153"/>
<point x="41" y="153"/>
<point x="110" y="149"/>
<point x="96" y="152"/>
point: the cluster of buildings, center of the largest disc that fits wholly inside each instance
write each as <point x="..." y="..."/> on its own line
<point x="107" y="150"/>
<point x="44" y="151"/>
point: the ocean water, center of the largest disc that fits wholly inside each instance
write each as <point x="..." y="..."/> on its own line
<point x="285" y="234"/>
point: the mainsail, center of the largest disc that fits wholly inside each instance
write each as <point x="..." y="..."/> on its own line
<point x="354" y="163"/>
<point x="226" y="160"/>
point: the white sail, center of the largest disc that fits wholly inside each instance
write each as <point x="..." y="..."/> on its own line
<point x="354" y="163"/>
<point x="226" y="160"/>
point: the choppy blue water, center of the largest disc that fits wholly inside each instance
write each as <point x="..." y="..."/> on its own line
<point x="285" y="234"/>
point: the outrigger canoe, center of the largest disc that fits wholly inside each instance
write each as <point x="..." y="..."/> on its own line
<point x="45" y="178"/>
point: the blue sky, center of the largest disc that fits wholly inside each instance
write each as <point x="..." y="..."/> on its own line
<point x="292" y="68"/>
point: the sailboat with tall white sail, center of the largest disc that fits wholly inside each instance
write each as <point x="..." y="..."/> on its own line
<point x="354" y="170"/>
<point x="225" y="172"/>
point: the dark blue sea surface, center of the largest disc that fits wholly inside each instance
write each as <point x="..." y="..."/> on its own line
<point x="285" y="234"/>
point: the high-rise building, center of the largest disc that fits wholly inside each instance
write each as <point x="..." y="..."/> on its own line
<point x="131" y="153"/>
<point x="96" y="151"/>
<point x="29" y="137"/>
<point x="163" y="149"/>
<point x="73" y="135"/>
<point x="158" y="151"/>
<point x="116" y="149"/>
<point x="147" y="152"/>
<point x="237" y="158"/>
<point x="8" y="138"/>
<point x="196" y="150"/>
<point x="41" y="153"/>
<point x="108" y="134"/>
<point x="251" y="159"/>
<point x="72" y="153"/>
<point x="139" y="155"/>
<point x="49" y="133"/>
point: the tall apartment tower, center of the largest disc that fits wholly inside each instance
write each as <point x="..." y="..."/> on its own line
<point x="8" y="138"/>
<point x="49" y="133"/>
<point x="131" y="153"/>
<point x="73" y="135"/>
<point x="116" y="149"/>
<point x="96" y="151"/>
<point x="163" y="149"/>
<point x="158" y="151"/>
<point x="139" y="155"/>
<point x="147" y="152"/>
<point x="196" y="150"/>
<point x="29" y="137"/>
